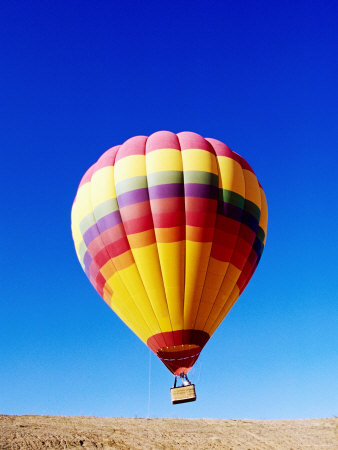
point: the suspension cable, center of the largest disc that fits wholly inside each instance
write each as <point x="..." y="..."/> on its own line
<point x="149" y="384"/>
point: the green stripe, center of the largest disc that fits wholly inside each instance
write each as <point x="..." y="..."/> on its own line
<point x="231" y="197"/>
<point x="177" y="176"/>
<point x="165" y="177"/>
<point x="237" y="200"/>
<point x="260" y="234"/>
<point x="82" y="250"/>
<point x="252" y="209"/>
<point x="87" y="222"/>
<point x="200" y="177"/>
<point x="131" y="184"/>
<point x="105" y="208"/>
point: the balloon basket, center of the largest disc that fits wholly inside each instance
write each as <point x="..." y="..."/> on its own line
<point x="183" y="394"/>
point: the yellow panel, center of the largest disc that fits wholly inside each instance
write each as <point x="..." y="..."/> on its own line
<point x="81" y="208"/>
<point x="212" y="286"/>
<point x="82" y="205"/>
<point x="164" y="160"/>
<point x="128" y="167"/>
<point x="197" y="258"/>
<point x="172" y="260"/>
<point x="263" y="221"/>
<point x="252" y="189"/>
<point x="146" y="259"/>
<point x="133" y="315"/>
<point x="171" y="255"/>
<point x="77" y="235"/>
<point x="231" y="175"/>
<point x="229" y="304"/>
<point x="195" y="159"/>
<point x="197" y="253"/>
<point x="103" y="187"/>
<point x="107" y="297"/>
<point x="229" y="282"/>
<point x="233" y="273"/>
<point x="131" y="279"/>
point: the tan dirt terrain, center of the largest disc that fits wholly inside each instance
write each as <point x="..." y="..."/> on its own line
<point x="41" y="432"/>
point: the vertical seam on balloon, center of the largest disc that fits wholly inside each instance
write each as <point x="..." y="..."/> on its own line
<point x="185" y="234"/>
<point x="145" y="290"/>
<point x="213" y="234"/>
<point x="233" y="251"/>
<point x="220" y="313"/>
<point x="183" y="240"/>
<point x="107" y="251"/>
<point x="158" y="256"/>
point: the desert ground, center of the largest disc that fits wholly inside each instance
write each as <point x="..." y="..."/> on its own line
<point x="41" y="432"/>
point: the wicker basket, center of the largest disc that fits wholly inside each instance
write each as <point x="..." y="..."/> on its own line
<point x="183" y="394"/>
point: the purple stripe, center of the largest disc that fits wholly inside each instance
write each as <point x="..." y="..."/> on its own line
<point x="109" y="221"/>
<point x="166" y="191"/>
<point x="90" y="234"/>
<point x="87" y="260"/>
<point x="102" y="225"/>
<point x="131" y="197"/>
<point x="201" y="190"/>
<point x="231" y="211"/>
<point x="236" y="213"/>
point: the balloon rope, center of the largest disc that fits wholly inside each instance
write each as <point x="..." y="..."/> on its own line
<point x="199" y="375"/>
<point x="149" y="384"/>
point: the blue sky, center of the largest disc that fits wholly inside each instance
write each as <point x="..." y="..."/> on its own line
<point x="80" y="77"/>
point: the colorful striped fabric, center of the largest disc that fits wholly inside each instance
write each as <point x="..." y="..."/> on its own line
<point x="169" y="230"/>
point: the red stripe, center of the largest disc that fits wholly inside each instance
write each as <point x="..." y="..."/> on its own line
<point x="161" y="140"/>
<point x="133" y="146"/>
<point x="100" y="282"/>
<point x="169" y="219"/>
<point x="169" y="204"/>
<point x="111" y="251"/>
<point x="93" y="270"/>
<point x="245" y="165"/>
<point x="227" y="224"/>
<point x="243" y="247"/>
<point x="109" y="236"/>
<point x="238" y="260"/>
<point x="200" y="219"/>
<point x="87" y="176"/>
<point x="176" y="360"/>
<point x="247" y="234"/>
<point x="139" y="225"/>
<point x="179" y="337"/>
<point x="108" y="158"/>
<point x="135" y="211"/>
<point x="224" y="239"/>
<point x="189" y="140"/>
<point x="221" y="253"/>
<point x="201" y="204"/>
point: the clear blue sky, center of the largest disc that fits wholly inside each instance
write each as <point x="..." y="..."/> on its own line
<point x="80" y="77"/>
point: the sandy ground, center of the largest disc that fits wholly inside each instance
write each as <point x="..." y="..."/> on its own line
<point x="41" y="432"/>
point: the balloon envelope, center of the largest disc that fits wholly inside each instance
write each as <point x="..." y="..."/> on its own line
<point x="169" y="230"/>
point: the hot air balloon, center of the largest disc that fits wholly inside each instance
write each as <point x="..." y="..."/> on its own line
<point x="169" y="229"/>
